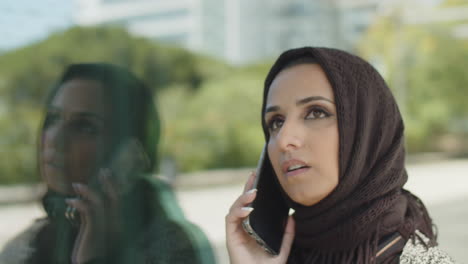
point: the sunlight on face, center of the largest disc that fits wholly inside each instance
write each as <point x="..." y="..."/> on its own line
<point x="303" y="145"/>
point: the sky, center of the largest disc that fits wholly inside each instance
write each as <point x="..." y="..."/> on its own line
<point x="26" y="21"/>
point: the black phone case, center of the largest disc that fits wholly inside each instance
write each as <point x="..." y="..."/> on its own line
<point x="267" y="222"/>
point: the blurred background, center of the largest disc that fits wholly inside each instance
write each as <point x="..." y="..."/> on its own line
<point x="206" y="61"/>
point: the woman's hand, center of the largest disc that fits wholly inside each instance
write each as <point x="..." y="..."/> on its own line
<point x="242" y="248"/>
<point x="99" y="218"/>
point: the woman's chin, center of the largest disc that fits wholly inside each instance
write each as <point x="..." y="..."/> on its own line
<point x="307" y="200"/>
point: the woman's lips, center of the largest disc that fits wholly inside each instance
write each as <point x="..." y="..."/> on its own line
<point x="296" y="172"/>
<point x="294" y="167"/>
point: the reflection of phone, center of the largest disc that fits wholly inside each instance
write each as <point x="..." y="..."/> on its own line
<point x="129" y="157"/>
<point x="267" y="222"/>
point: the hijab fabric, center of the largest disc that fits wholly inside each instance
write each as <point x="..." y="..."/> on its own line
<point x="369" y="201"/>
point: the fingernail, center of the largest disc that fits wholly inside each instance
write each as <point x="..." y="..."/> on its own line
<point x="247" y="208"/>
<point x="252" y="191"/>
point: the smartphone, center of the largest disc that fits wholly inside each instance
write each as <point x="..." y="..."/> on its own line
<point x="267" y="222"/>
<point x="129" y="157"/>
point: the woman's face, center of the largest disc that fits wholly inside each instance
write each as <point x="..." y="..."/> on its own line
<point x="303" y="145"/>
<point x="74" y="134"/>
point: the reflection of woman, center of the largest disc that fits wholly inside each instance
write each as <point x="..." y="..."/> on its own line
<point x="335" y="142"/>
<point x="96" y="151"/>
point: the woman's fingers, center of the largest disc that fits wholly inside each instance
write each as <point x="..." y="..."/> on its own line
<point x="90" y="239"/>
<point x="244" y="200"/>
<point x="250" y="182"/>
<point x="238" y="214"/>
<point x="89" y="204"/>
<point x="288" y="238"/>
<point x="238" y="211"/>
<point x="87" y="194"/>
<point x="109" y="186"/>
<point x="240" y="208"/>
<point x="82" y="208"/>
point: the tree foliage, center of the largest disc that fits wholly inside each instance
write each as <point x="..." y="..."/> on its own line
<point x="210" y="110"/>
<point x="27" y="73"/>
<point x="425" y="66"/>
<point x="217" y="127"/>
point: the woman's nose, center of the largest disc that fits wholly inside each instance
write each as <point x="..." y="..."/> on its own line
<point x="289" y="137"/>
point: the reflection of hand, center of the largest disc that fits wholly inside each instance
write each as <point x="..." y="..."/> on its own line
<point x="98" y="216"/>
<point x="241" y="247"/>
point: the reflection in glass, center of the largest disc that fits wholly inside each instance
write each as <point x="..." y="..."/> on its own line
<point x="96" y="154"/>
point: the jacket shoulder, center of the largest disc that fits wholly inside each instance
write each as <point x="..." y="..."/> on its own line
<point x="416" y="252"/>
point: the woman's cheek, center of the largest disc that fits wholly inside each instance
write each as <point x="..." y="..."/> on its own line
<point x="83" y="161"/>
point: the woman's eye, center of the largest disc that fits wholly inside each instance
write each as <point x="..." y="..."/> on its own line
<point x="317" y="113"/>
<point x="275" y="124"/>
<point x="84" y="126"/>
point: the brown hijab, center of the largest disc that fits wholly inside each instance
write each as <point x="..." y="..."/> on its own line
<point x="369" y="201"/>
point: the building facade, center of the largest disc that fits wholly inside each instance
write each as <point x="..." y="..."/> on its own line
<point x="238" y="31"/>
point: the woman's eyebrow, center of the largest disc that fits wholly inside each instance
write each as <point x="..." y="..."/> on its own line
<point x="273" y="108"/>
<point x="83" y="114"/>
<point x="312" y="98"/>
<point x="89" y="115"/>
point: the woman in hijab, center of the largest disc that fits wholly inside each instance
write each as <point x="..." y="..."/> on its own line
<point x="335" y="143"/>
<point x="96" y="154"/>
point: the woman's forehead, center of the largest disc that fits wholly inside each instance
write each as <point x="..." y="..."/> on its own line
<point x="81" y="95"/>
<point x="298" y="82"/>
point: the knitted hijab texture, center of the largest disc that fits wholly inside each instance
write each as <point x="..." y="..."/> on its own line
<point x="369" y="201"/>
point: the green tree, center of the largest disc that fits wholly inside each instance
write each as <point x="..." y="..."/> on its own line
<point x="26" y="74"/>
<point x="210" y="111"/>
<point x="219" y="126"/>
<point x="424" y="65"/>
